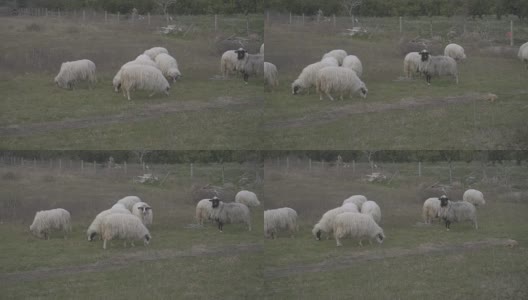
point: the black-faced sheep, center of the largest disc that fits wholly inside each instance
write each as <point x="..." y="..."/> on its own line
<point x="230" y="213"/>
<point x="249" y="64"/>
<point x="437" y="66"/>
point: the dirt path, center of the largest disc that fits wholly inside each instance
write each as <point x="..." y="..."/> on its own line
<point x="345" y="262"/>
<point x="126" y="260"/>
<point x="148" y="112"/>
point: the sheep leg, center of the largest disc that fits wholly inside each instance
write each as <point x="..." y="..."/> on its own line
<point x="428" y="79"/>
<point x="104" y="244"/>
<point x="456" y="78"/>
<point x="128" y="94"/>
<point x="338" y="242"/>
<point x="360" y="243"/>
<point x="321" y="96"/>
<point x="220" y="226"/>
<point x="152" y="94"/>
<point x="447" y="224"/>
<point x="475" y="224"/>
<point x="246" y="77"/>
<point x="329" y="96"/>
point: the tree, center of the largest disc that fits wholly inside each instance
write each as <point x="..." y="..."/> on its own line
<point x="164" y="5"/>
<point x="349" y="6"/>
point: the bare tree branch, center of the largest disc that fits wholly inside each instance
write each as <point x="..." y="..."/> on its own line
<point x="349" y="5"/>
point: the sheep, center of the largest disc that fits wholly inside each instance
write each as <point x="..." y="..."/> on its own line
<point x="73" y="71"/>
<point x="230" y="213"/>
<point x="168" y="66"/>
<point x="279" y="219"/>
<point x="123" y="226"/>
<point x="47" y="220"/>
<point x="144" y="78"/>
<point x="474" y="197"/>
<point x="411" y="63"/>
<point x="145" y="59"/>
<point x="352" y="62"/>
<point x="437" y="66"/>
<point x="247" y="198"/>
<point x="337" y="54"/>
<point x="140" y="60"/>
<point x="326" y="223"/>
<point x="350" y="207"/>
<point x="430" y="210"/>
<point x="458" y="211"/>
<point x="307" y="78"/>
<point x="249" y="64"/>
<point x="331" y="61"/>
<point x="341" y="81"/>
<point x="228" y="63"/>
<point x="144" y="212"/>
<point x="357" y="226"/>
<point x="523" y="54"/>
<point x="95" y="226"/>
<point x="153" y="52"/>
<point x="455" y="51"/>
<point x="371" y="208"/>
<point x="271" y="75"/>
<point x="358" y="200"/>
<point x="204" y="210"/>
<point x="128" y="202"/>
<point x="262" y="49"/>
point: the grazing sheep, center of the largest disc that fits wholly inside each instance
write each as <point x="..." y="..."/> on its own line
<point x="128" y="202"/>
<point x="271" y="75"/>
<point x="144" y="212"/>
<point x="357" y="226"/>
<point x="279" y="219"/>
<point x="358" y="200"/>
<point x="353" y="63"/>
<point x="228" y="63"/>
<point x="72" y="72"/>
<point x="153" y="52"/>
<point x="330" y="61"/>
<point x="371" y="208"/>
<point x="455" y="51"/>
<point x="349" y="206"/>
<point x="144" y="78"/>
<point x="458" y="211"/>
<point x="307" y="78"/>
<point x="262" y="49"/>
<point x="145" y="59"/>
<point x="140" y="60"/>
<point x="337" y="54"/>
<point x="430" y="210"/>
<point x="124" y="227"/>
<point x="437" y="66"/>
<point x="326" y="223"/>
<point x="248" y="198"/>
<point x="95" y="226"/>
<point x="249" y="64"/>
<point x="204" y="210"/>
<point x="47" y="220"/>
<point x="474" y="197"/>
<point x="523" y="54"/>
<point x="230" y="213"/>
<point x="341" y="81"/>
<point x="411" y="64"/>
<point x="168" y="66"/>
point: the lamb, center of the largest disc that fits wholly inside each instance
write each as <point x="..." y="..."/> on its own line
<point x="228" y="62"/>
<point x="437" y="66"/>
<point x="128" y="202"/>
<point x="326" y="223"/>
<point x="307" y="78"/>
<point x="271" y="75"/>
<point x="353" y="63"/>
<point x="523" y="54"/>
<point x="153" y="52"/>
<point x="358" y="200"/>
<point x="168" y="66"/>
<point x="249" y="64"/>
<point x="140" y="60"/>
<point x="279" y="219"/>
<point x="341" y="81"/>
<point x="330" y="61"/>
<point x="357" y="226"/>
<point x="95" y="226"/>
<point x="262" y="49"/>
<point x="474" y="197"/>
<point x="72" y="72"/>
<point x="247" y="198"/>
<point x="458" y="211"/>
<point x="337" y="54"/>
<point x="372" y="209"/>
<point x="204" y="210"/>
<point x="123" y="226"/>
<point x="144" y="78"/>
<point x="430" y="210"/>
<point x="230" y="213"/>
<point x="144" y="212"/>
<point x="455" y="51"/>
<point x="47" y="220"/>
<point x="411" y="63"/>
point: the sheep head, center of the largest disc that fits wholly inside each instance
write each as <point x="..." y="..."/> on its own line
<point x="241" y="53"/>
<point x="424" y="54"/>
<point x="443" y="200"/>
<point x="215" y="202"/>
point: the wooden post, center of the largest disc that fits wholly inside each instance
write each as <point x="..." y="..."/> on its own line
<point x="117" y="17"/>
<point x="84" y="15"/>
<point x="60" y="165"/>
<point x="419" y="169"/>
<point x="450" y="173"/>
<point x="310" y="164"/>
<point x="223" y="180"/>
<point x="290" y="19"/>
<point x="401" y="25"/>
<point x="143" y="167"/>
<point x="322" y="164"/>
<point x="267" y="17"/>
<point x="75" y="14"/>
<point x="106" y="16"/>
<point x="82" y="166"/>
<point x="287" y="163"/>
<point x="303" y="19"/>
<point x="71" y="164"/>
<point x="192" y="170"/>
<point x="334" y="20"/>
<point x="148" y="18"/>
<point x="58" y="13"/>
<point x="353" y="166"/>
<point x="46" y="12"/>
<point x="247" y="25"/>
<point x="511" y="31"/>
<point x="22" y="162"/>
<point x="216" y="23"/>
<point x="353" y="20"/>
<point x="34" y="163"/>
<point x="95" y="167"/>
<point x="51" y="164"/>
<point x="431" y="27"/>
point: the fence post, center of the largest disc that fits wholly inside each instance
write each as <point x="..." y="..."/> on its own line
<point x="267" y="17"/>
<point x="148" y="17"/>
<point x="322" y="164"/>
<point x="334" y="20"/>
<point x="106" y="16"/>
<point x="125" y="167"/>
<point x="51" y="163"/>
<point x="450" y="173"/>
<point x="75" y="14"/>
<point x="290" y="18"/>
<point x="353" y="20"/>
<point x="223" y="180"/>
<point x="117" y="17"/>
<point x="310" y="163"/>
<point x="95" y="167"/>
<point x="419" y="169"/>
<point x="247" y="25"/>
<point x="192" y="170"/>
<point x="58" y="14"/>
<point x="82" y="166"/>
<point x="143" y="167"/>
<point x="60" y="165"/>
<point x="216" y="23"/>
<point x="401" y="25"/>
<point x="46" y="12"/>
<point x="71" y="164"/>
<point x="511" y="31"/>
<point x="287" y="163"/>
<point x="431" y="27"/>
<point x="34" y="163"/>
<point x="303" y="19"/>
<point x="84" y="15"/>
<point x="353" y="166"/>
<point x="22" y="161"/>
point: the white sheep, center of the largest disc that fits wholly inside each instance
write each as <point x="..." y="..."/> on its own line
<point x="248" y="198"/>
<point x="353" y="63"/>
<point x="338" y="80"/>
<point x="349" y="206"/>
<point x="249" y="64"/>
<point x="337" y="54"/>
<point x="358" y="200"/>
<point x="153" y="52"/>
<point x="474" y="197"/>
<point x="330" y="61"/>
<point x="455" y="51"/>
<point x="262" y="49"/>
<point x="143" y="78"/>
<point x="128" y="202"/>
<point x="357" y="226"/>
<point x="47" y="220"/>
<point x="372" y="208"/>
<point x="228" y="63"/>
<point x="437" y="66"/>
<point x="230" y="213"/>
<point x="168" y="66"/>
<point x="140" y="60"/>
<point x="279" y="219"/>
<point x="307" y="78"/>
<point x="523" y="54"/>
<point x="411" y="63"/>
<point x="204" y="210"/>
<point x="271" y="75"/>
<point x="326" y="223"/>
<point x="457" y="211"/>
<point x="72" y="72"/>
<point x="125" y="227"/>
<point x="144" y="212"/>
<point x="95" y="226"/>
<point x="145" y="59"/>
<point x="430" y="209"/>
